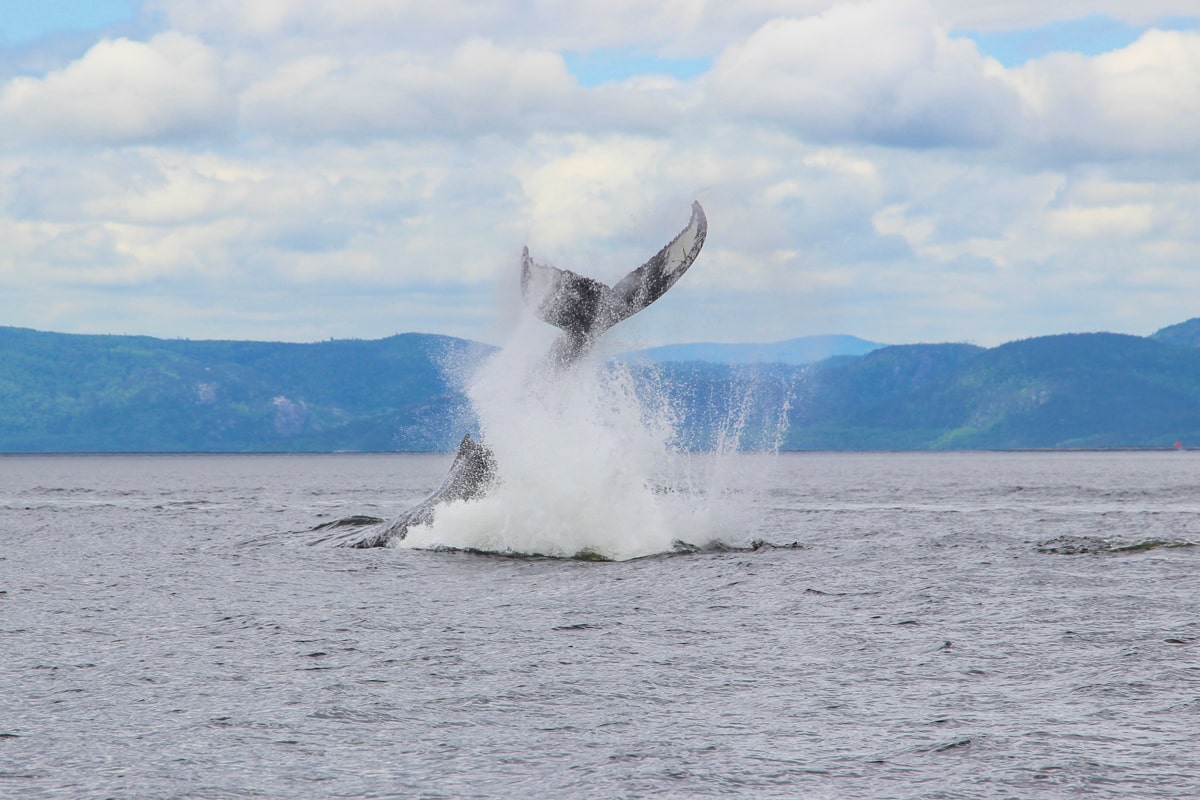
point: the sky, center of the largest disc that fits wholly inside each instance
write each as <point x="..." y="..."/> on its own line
<point x="901" y="170"/>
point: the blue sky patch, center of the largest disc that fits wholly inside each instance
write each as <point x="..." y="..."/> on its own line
<point x="595" y="67"/>
<point x="23" y="20"/>
<point x="1088" y="36"/>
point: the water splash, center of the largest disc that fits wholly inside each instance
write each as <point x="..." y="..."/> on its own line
<point x="587" y="463"/>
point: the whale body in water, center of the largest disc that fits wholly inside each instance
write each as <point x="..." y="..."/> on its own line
<point x="583" y="309"/>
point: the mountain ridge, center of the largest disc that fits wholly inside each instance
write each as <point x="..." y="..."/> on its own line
<point x="95" y="392"/>
<point x="800" y="350"/>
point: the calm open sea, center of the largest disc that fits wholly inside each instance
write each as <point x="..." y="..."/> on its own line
<point x="1017" y="625"/>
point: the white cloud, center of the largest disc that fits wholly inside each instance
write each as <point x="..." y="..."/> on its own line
<point x="122" y="91"/>
<point x="584" y="188"/>
<point x="478" y="88"/>
<point x="880" y="71"/>
<point x="1016" y="14"/>
<point x="679" y="27"/>
<point x="300" y="169"/>
<point x="1125" y="221"/>
<point x="1142" y="100"/>
<point x="395" y="21"/>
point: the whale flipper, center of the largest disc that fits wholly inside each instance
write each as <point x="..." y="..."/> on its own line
<point x="584" y="308"/>
<point x="470" y="476"/>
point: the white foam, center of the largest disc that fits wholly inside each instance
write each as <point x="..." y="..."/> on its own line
<point x="583" y="465"/>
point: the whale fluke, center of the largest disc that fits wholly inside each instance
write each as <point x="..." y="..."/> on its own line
<point x="585" y="308"/>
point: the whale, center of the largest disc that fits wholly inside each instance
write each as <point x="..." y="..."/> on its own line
<point x="582" y="309"/>
<point x="470" y="476"/>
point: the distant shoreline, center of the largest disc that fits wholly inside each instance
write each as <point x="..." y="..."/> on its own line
<point x="154" y="453"/>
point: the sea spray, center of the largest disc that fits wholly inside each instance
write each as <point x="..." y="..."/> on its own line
<point x="585" y="467"/>
<point x="743" y="423"/>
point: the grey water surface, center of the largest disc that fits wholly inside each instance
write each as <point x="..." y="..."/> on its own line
<point x="959" y="625"/>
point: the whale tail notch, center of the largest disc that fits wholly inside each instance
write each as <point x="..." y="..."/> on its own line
<point x="584" y="308"/>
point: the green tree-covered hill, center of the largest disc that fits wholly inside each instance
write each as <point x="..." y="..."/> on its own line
<point x="63" y="392"/>
<point x="72" y="393"/>
<point x="1072" y="390"/>
<point x="1185" y="334"/>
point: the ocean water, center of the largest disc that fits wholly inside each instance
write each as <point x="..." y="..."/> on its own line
<point x="957" y="625"/>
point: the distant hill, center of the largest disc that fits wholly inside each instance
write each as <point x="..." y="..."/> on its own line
<point x="1072" y="390"/>
<point x="804" y="350"/>
<point x="65" y="392"/>
<point x="1185" y="334"/>
<point x="71" y="393"/>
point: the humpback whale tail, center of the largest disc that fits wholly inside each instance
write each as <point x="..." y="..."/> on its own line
<point x="584" y="308"/>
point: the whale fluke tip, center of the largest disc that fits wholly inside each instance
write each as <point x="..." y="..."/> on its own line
<point x="585" y="308"/>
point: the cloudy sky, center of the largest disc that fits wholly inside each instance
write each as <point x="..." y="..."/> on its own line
<point x="902" y="170"/>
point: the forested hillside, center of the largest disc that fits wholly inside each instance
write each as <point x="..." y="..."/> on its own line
<point x="73" y="393"/>
<point x="61" y="392"/>
<point x="1072" y="390"/>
